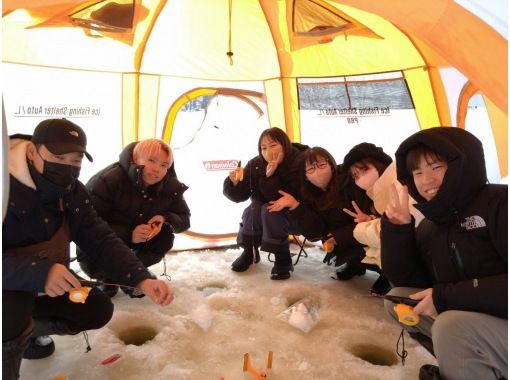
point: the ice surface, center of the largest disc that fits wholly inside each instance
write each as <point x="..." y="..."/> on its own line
<point x="204" y="334"/>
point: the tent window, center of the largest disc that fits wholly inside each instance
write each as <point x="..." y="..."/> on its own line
<point x="354" y="92"/>
<point x="111" y="16"/>
<point x="310" y="17"/>
<point x="197" y="104"/>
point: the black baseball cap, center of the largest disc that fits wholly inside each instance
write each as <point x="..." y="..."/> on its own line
<point x="61" y="136"/>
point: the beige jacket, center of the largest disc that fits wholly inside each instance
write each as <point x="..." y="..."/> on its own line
<point x="369" y="233"/>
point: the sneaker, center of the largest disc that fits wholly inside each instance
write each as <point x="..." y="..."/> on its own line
<point x="349" y="270"/>
<point x="381" y="286"/>
<point x="39" y="348"/>
<point x="429" y="372"/>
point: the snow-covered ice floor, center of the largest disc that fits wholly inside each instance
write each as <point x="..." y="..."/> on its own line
<point x="219" y="315"/>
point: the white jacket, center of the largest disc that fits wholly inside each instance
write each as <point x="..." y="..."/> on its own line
<point x="369" y="233"/>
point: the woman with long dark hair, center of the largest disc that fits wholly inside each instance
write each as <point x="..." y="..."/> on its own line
<point x="319" y="216"/>
<point x="264" y="222"/>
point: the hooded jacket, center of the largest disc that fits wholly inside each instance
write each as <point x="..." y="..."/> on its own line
<point x="369" y="233"/>
<point x="460" y="249"/>
<point x="121" y="198"/>
<point x="316" y="224"/>
<point x="34" y="215"/>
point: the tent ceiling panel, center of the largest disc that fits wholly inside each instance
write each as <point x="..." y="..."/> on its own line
<point x="68" y="47"/>
<point x="191" y="39"/>
<point x="353" y="55"/>
<point x="469" y="44"/>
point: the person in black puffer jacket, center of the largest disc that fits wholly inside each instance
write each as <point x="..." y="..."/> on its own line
<point x="142" y="200"/>
<point x="366" y="165"/>
<point x="455" y="262"/>
<point x="48" y="208"/>
<point x="319" y="215"/>
<point x="276" y="168"/>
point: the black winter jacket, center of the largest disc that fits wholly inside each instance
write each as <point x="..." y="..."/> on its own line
<point x="33" y="216"/>
<point x="461" y="248"/>
<point x="317" y="224"/>
<point x="121" y="199"/>
<point x="258" y="187"/>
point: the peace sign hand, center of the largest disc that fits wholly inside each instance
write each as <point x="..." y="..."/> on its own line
<point x="359" y="216"/>
<point x="397" y="210"/>
<point x="273" y="164"/>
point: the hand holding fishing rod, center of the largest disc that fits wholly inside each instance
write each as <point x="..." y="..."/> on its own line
<point x="236" y="175"/>
<point x="158" y="291"/>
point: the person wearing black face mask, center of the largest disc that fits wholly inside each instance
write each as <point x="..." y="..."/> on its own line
<point x="60" y="174"/>
<point x="47" y="209"/>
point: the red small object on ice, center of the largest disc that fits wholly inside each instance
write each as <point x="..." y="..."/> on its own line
<point x="111" y="359"/>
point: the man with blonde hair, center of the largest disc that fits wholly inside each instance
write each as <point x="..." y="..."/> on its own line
<point x="142" y="200"/>
<point x="48" y="208"/>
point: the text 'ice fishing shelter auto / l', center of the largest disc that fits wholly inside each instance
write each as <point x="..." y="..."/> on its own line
<point x="208" y="76"/>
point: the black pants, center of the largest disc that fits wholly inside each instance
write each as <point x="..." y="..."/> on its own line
<point x="19" y="307"/>
<point x="272" y="226"/>
<point x="149" y="253"/>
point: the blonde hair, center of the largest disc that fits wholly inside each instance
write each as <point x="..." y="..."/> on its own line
<point x="152" y="147"/>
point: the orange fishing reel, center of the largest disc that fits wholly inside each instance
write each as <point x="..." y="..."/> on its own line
<point x="406" y="314"/>
<point x="79" y="295"/>
<point x="328" y="246"/>
<point x="404" y="309"/>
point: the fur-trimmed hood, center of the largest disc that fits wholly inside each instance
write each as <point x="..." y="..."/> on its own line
<point x="465" y="177"/>
<point x="18" y="166"/>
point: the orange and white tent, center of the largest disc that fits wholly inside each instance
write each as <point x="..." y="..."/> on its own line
<point x="133" y="69"/>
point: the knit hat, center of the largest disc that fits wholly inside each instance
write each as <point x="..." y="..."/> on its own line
<point x="61" y="136"/>
<point x="363" y="151"/>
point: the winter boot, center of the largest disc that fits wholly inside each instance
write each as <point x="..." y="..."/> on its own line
<point x="349" y="270"/>
<point x="250" y="254"/>
<point x="381" y="286"/>
<point x="429" y="372"/>
<point x="12" y="353"/>
<point x="282" y="266"/>
<point x="41" y="345"/>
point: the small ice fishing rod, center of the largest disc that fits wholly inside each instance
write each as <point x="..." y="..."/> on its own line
<point x="79" y="295"/>
<point x="403" y="308"/>
<point x="405" y="300"/>
<point x="98" y="283"/>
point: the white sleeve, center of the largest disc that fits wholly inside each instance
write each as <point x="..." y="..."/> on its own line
<point x="369" y="233"/>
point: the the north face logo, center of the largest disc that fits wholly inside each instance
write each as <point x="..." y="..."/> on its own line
<point x="473" y="222"/>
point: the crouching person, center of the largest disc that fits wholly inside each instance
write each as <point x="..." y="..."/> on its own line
<point x="142" y="200"/>
<point x="455" y="262"/>
<point x="48" y="208"/>
<point x="265" y="223"/>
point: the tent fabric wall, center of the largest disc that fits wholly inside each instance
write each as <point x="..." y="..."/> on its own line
<point x="190" y="39"/>
<point x="456" y="35"/>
